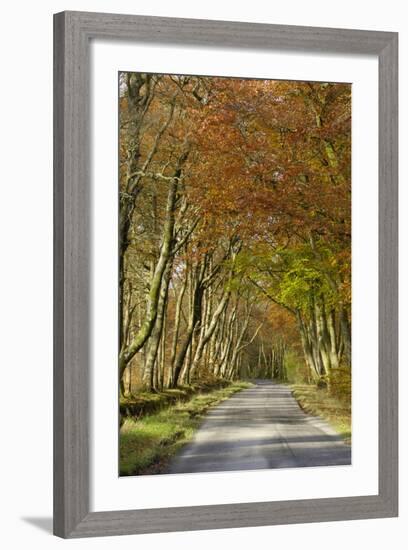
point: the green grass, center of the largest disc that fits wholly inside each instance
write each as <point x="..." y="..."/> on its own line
<point x="147" y="444"/>
<point x="319" y="402"/>
<point x="144" y="403"/>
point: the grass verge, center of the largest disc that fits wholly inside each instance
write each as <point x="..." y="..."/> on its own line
<point x="318" y="402"/>
<point x="147" y="444"/>
<point x="144" y="403"/>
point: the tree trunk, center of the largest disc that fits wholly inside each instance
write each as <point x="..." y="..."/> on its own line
<point x="146" y="328"/>
<point x="179" y="304"/>
<point x="208" y="332"/>
<point x="155" y="338"/>
<point x="194" y="318"/>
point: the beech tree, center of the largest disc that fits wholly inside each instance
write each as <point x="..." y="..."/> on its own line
<point x="235" y="229"/>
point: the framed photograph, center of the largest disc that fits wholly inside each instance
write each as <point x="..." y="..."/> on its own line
<point x="225" y="287"/>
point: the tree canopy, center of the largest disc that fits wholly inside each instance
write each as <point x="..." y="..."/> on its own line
<point x="235" y="229"/>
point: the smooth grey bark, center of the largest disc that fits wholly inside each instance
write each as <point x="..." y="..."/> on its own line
<point x="127" y="353"/>
<point x="177" y="319"/>
<point x="140" y="92"/>
<point x="196" y="297"/>
<point x="209" y="331"/>
<point x="238" y="346"/>
<point x="228" y="341"/>
<point x="156" y="335"/>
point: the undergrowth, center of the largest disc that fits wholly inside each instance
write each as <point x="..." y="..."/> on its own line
<point x="148" y="443"/>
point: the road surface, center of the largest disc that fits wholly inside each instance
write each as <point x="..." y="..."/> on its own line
<point x="257" y="428"/>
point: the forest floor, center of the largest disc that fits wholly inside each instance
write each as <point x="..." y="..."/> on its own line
<point x="318" y="402"/>
<point x="147" y="444"/>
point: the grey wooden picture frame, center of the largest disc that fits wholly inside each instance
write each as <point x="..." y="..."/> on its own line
<point x="72" y="203"/>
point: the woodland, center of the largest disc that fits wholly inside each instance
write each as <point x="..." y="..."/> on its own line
<point x="234" y="231"/>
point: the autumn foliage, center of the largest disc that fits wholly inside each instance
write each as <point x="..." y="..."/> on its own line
<point x="235" y="229"/>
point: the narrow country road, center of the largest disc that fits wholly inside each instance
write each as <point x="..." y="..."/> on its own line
<point x="261" y="427"/>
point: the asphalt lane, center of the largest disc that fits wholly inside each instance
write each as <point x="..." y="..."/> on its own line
<point x="259" y="428"/>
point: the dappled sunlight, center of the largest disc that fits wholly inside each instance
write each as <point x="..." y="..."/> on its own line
<point x="234" y="263"/>
<point x="237" y="435"/>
